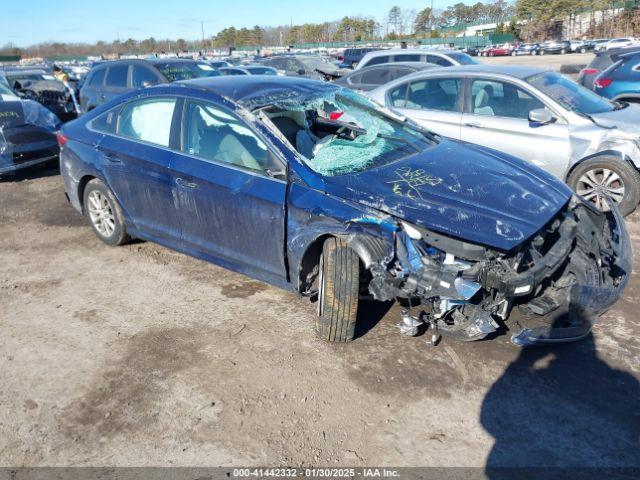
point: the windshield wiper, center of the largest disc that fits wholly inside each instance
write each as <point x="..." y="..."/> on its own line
<point x="399" y="139"/>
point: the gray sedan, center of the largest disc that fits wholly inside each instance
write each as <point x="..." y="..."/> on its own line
<point x="538" y="115"/>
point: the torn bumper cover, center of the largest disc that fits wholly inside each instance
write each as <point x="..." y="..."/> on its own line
<point x="588" y="297"/>
<point x="549" y="289"/>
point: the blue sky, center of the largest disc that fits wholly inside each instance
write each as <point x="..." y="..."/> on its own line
<point x="27" y="22"/>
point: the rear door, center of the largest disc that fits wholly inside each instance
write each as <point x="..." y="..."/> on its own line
<point x="136" y="164"/>
<point x="435" y="103"/>
<point x="230" y="207"/>
<point x="497" y="116"/>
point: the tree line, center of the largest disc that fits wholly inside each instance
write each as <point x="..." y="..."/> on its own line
<point x="539" y="20"/>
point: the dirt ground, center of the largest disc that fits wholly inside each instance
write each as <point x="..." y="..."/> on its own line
<point x="138" y="355"/>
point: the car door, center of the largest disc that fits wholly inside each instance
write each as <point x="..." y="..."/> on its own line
<point x="92" y="89"/>
<point x="230" y="207"/>
<point x="434" y="103"/>
<point x="115" y="84"/>
<point x="497" y="116"/>
<point x="135" y="162"/>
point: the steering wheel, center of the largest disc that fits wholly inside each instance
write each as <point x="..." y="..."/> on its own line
<point x="340" y="131"/>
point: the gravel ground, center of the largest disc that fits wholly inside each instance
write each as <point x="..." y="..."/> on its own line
<point x="138" y="355"/>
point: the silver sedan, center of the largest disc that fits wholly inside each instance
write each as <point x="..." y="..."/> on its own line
<point x="540" y="116"/>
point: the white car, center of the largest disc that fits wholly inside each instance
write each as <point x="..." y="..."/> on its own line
<point x="620" y="43"/>
<point x="444" y="58"/>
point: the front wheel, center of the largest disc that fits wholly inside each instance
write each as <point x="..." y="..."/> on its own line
<point x="597" y="178"/>
<point x="583" y="50"/>
<point x="104" y="213"/>
<point x="338" y="289"/>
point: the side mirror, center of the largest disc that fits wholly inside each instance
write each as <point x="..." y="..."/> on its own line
<point x="302" y="71"/>
<point x="539" y="117"/>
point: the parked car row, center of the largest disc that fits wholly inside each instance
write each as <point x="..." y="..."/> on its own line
<point x="447" y="187"/>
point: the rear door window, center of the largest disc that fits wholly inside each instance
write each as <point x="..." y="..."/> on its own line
<point x="117" y="76"/>
<point x="148" y="120"/>
<point x="379" y="60"/>
<point x="433" y="94"/>
<point x="142" y="76"/>
<point x="376" y="76"/>
<point x="439" y="60"/>
<point x="406" y="58"/>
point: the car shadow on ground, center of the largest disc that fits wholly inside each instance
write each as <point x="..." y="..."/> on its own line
<point x="48" y="169"/>
<point x="562" y="407"/>
<point x="370" y="312"/>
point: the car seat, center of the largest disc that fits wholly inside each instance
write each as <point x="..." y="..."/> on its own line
<point x="481" y="102"/>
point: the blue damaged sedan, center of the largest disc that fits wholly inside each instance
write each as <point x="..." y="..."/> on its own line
<point x="315" y="189"/>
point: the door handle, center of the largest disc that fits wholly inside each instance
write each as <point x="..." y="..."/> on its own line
<point x="473" y="124"/>
<point x="183" y="183"/>
<point x="111" y="158"/>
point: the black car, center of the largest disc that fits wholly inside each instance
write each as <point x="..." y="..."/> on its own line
<point x="550" y="48"/>
<point x="109" y="80"/>
<point x="352" y="56"/>
<point x="40" y="85"/>
<point x="368" y="78"/>
<point x="602" y="60"/>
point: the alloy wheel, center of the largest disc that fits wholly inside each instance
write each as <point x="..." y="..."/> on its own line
<point x="599" y="183"/>
<point x="101" y="213"/>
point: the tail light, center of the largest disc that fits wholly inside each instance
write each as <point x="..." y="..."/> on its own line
<point x="335" y="115"/>
<point x="589" y="71"/>
<point x="62" y="140"/>
<point x="602" y="82"/>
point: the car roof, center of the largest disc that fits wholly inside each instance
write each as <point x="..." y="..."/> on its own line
<point x="414" y="51"/>
<point x="248" y="88"/>
<point x="617" y="51"/>
<point x="416" y="65"/>
<point x="518" y="71"/>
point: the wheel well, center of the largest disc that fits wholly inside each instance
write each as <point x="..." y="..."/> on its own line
<point x="596" y="156"/>
<point x="81" y="186"/>
<point x="309" y="263"/>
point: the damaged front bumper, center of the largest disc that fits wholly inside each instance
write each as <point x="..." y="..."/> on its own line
<point x="549" y="289"/>
<point x="590" y="297"/>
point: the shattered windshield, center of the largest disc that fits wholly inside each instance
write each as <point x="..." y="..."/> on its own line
<point x="175" y="71"/>
<point x="341" y="132"/>
<point x="569" y="94"/>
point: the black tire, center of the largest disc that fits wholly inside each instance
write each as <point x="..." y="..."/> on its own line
<point x="629" y="177"/>
<point x="583" y="50"/>
<point x="119" y="234"/>
<point x="541" y="52"/>
<point x="338" y="289"/>
<point x="563" y="51"/>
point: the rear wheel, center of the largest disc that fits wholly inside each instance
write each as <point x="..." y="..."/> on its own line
<point x="338" y="289"/>
<point x="597" y="178"/>
<point x="104" y="213"/>
<point x="583" y="50"/>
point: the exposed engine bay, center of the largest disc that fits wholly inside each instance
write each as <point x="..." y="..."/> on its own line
<point x="548" y="289"/>
<point x="47" y="91"/>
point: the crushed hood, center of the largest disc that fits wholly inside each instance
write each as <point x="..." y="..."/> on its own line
<point x="469" y="192"/>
